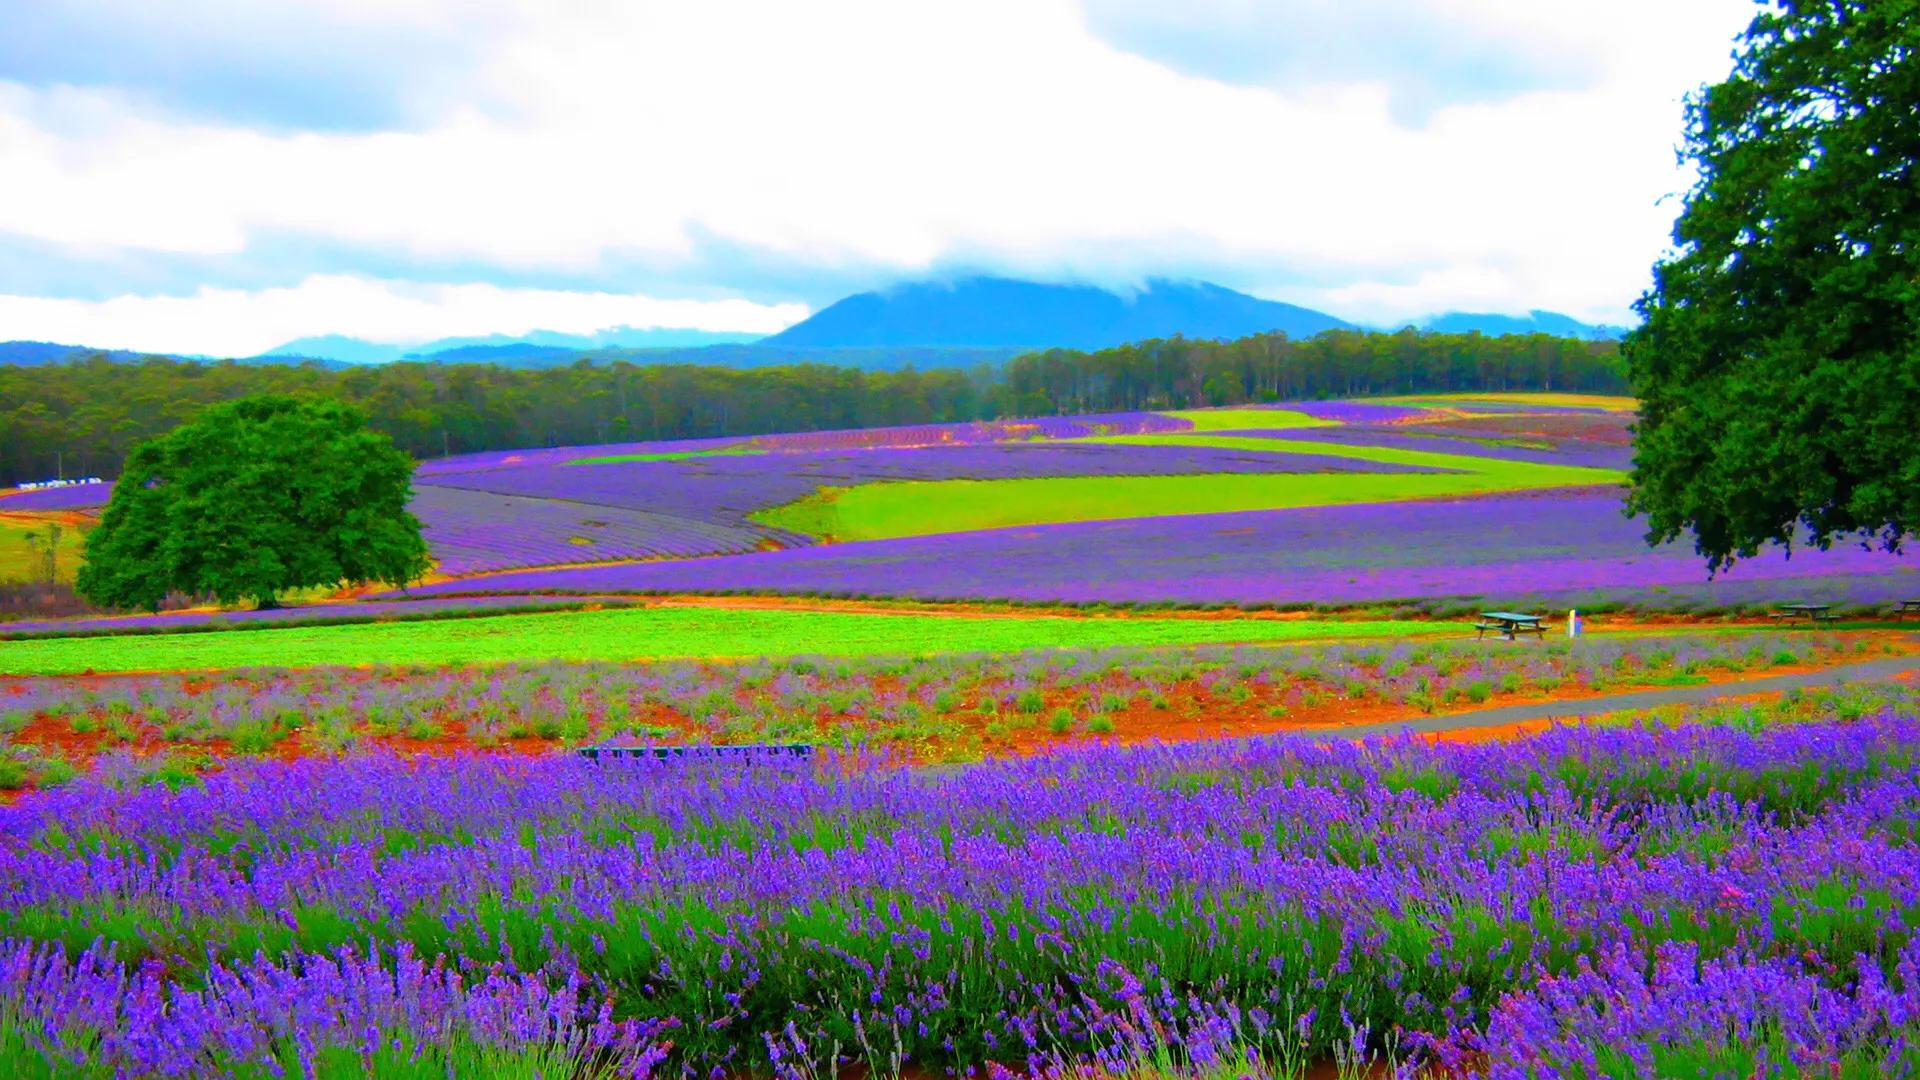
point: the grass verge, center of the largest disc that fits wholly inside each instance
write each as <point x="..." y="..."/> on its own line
<point x="655" y="633"/>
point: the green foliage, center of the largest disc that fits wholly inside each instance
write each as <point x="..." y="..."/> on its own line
<point x="1779" y="365"/>
<point x="94" y="411"/>
<point x="255" y="498"/>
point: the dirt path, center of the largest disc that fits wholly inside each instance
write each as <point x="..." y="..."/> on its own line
<point x="1507" y="716"/>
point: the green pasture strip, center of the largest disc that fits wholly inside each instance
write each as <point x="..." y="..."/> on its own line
<point x="1505" y="475"/>
<point x="348" y="615"/>
<point x="1611" y="402"/>
<point x="1247" y="419"/>
<point x="731" y="450"/>
<point x="658" y="634"/>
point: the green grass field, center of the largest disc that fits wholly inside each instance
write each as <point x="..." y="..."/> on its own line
<point x="732" y="450"/>
<point x="1247" y="419"/>
<point x="1610" y="402"/>
<point x="888" y="510"/>
<point x="656" y="634"/>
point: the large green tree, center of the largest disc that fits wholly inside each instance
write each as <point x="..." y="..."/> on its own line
<point x="256" y="497"/>
<point x="1779" y="363"/>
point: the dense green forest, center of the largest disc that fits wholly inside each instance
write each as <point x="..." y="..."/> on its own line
<point x="81" y="418"/>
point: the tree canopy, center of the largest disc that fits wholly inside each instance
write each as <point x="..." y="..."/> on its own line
<point x="256" y="497"/>
<point x="83" y="418"/>
<point x="1779" y="363"/>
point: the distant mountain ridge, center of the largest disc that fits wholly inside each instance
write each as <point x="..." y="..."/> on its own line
<point x="962" y="323"/>
<point x="1534" y="322"/>
<point x="539" y="345"/>
<point x="40" y="353"/>
<point x="36" y="353"/>
<point x="1002" y="312"/>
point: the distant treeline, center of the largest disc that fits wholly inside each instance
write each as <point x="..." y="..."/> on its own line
<point x="81" y="418"/>
<point x="1177" y="373"/>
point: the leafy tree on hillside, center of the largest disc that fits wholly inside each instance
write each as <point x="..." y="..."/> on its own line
<point x="256" y="497"/>
<point x="1779" y="364"/>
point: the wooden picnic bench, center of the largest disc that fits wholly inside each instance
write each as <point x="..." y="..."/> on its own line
<point x="798" y="751"/>
<point x="1813" y="613"/>
<point x="1905" y="607"/>
<point x="1509" y="624"/>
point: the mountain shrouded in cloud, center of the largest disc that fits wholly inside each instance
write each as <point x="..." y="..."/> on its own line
<point x="929" y="323"/>
<point x="986" y="311"/>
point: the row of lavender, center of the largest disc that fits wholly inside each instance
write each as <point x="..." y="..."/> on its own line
<point x="727" y="487"/>
<point x="1600" y="441"/>
<point x="812" y="699"/>
<point x="1494" y="905"/>
<point x="1555" y="549"/>
<point x="971" y="433"/>
<point x="542" y="513"/>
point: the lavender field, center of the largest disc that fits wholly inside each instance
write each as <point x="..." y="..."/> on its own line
<point x="1557" y="549"/>
<point x="1731" y="895"/>
<point x="713" y="516"/>
<point x="1006" y="852"/>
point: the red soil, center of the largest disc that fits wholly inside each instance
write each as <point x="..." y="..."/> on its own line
<point x="1192" y="712"/>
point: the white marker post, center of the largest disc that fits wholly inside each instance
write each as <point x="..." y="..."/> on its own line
<point x="1573" y="623"/>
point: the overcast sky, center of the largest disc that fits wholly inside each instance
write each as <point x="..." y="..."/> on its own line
<point x="220" y="177"/>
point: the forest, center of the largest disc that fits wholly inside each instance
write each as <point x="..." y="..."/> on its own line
<point x="81" y="418"/>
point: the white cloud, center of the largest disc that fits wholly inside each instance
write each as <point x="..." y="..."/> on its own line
<point x="902" y="136"/>
<point x="229" y="322"/>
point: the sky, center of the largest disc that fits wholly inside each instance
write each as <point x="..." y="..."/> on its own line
<point x="218" y="178"/>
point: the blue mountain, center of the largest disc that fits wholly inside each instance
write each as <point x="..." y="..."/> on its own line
<point x="1534" y="322"/>
<point x="538" y="347"/>
<point x="338" y="348"/>
<point x="999" y="312"/>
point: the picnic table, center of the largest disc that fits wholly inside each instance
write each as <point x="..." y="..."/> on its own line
<point x="1509" y="624"/>
<point x="798" y="751"/>
<point x="1904" y="607"/>
<point x="1813" y="613"/>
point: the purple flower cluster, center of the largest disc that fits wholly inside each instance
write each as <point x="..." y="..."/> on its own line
<point x="1540" y="548"/>
<point x="96" y="1015"/>
<point x="1695" y="1015"/>
<point x="796" y="918"/>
